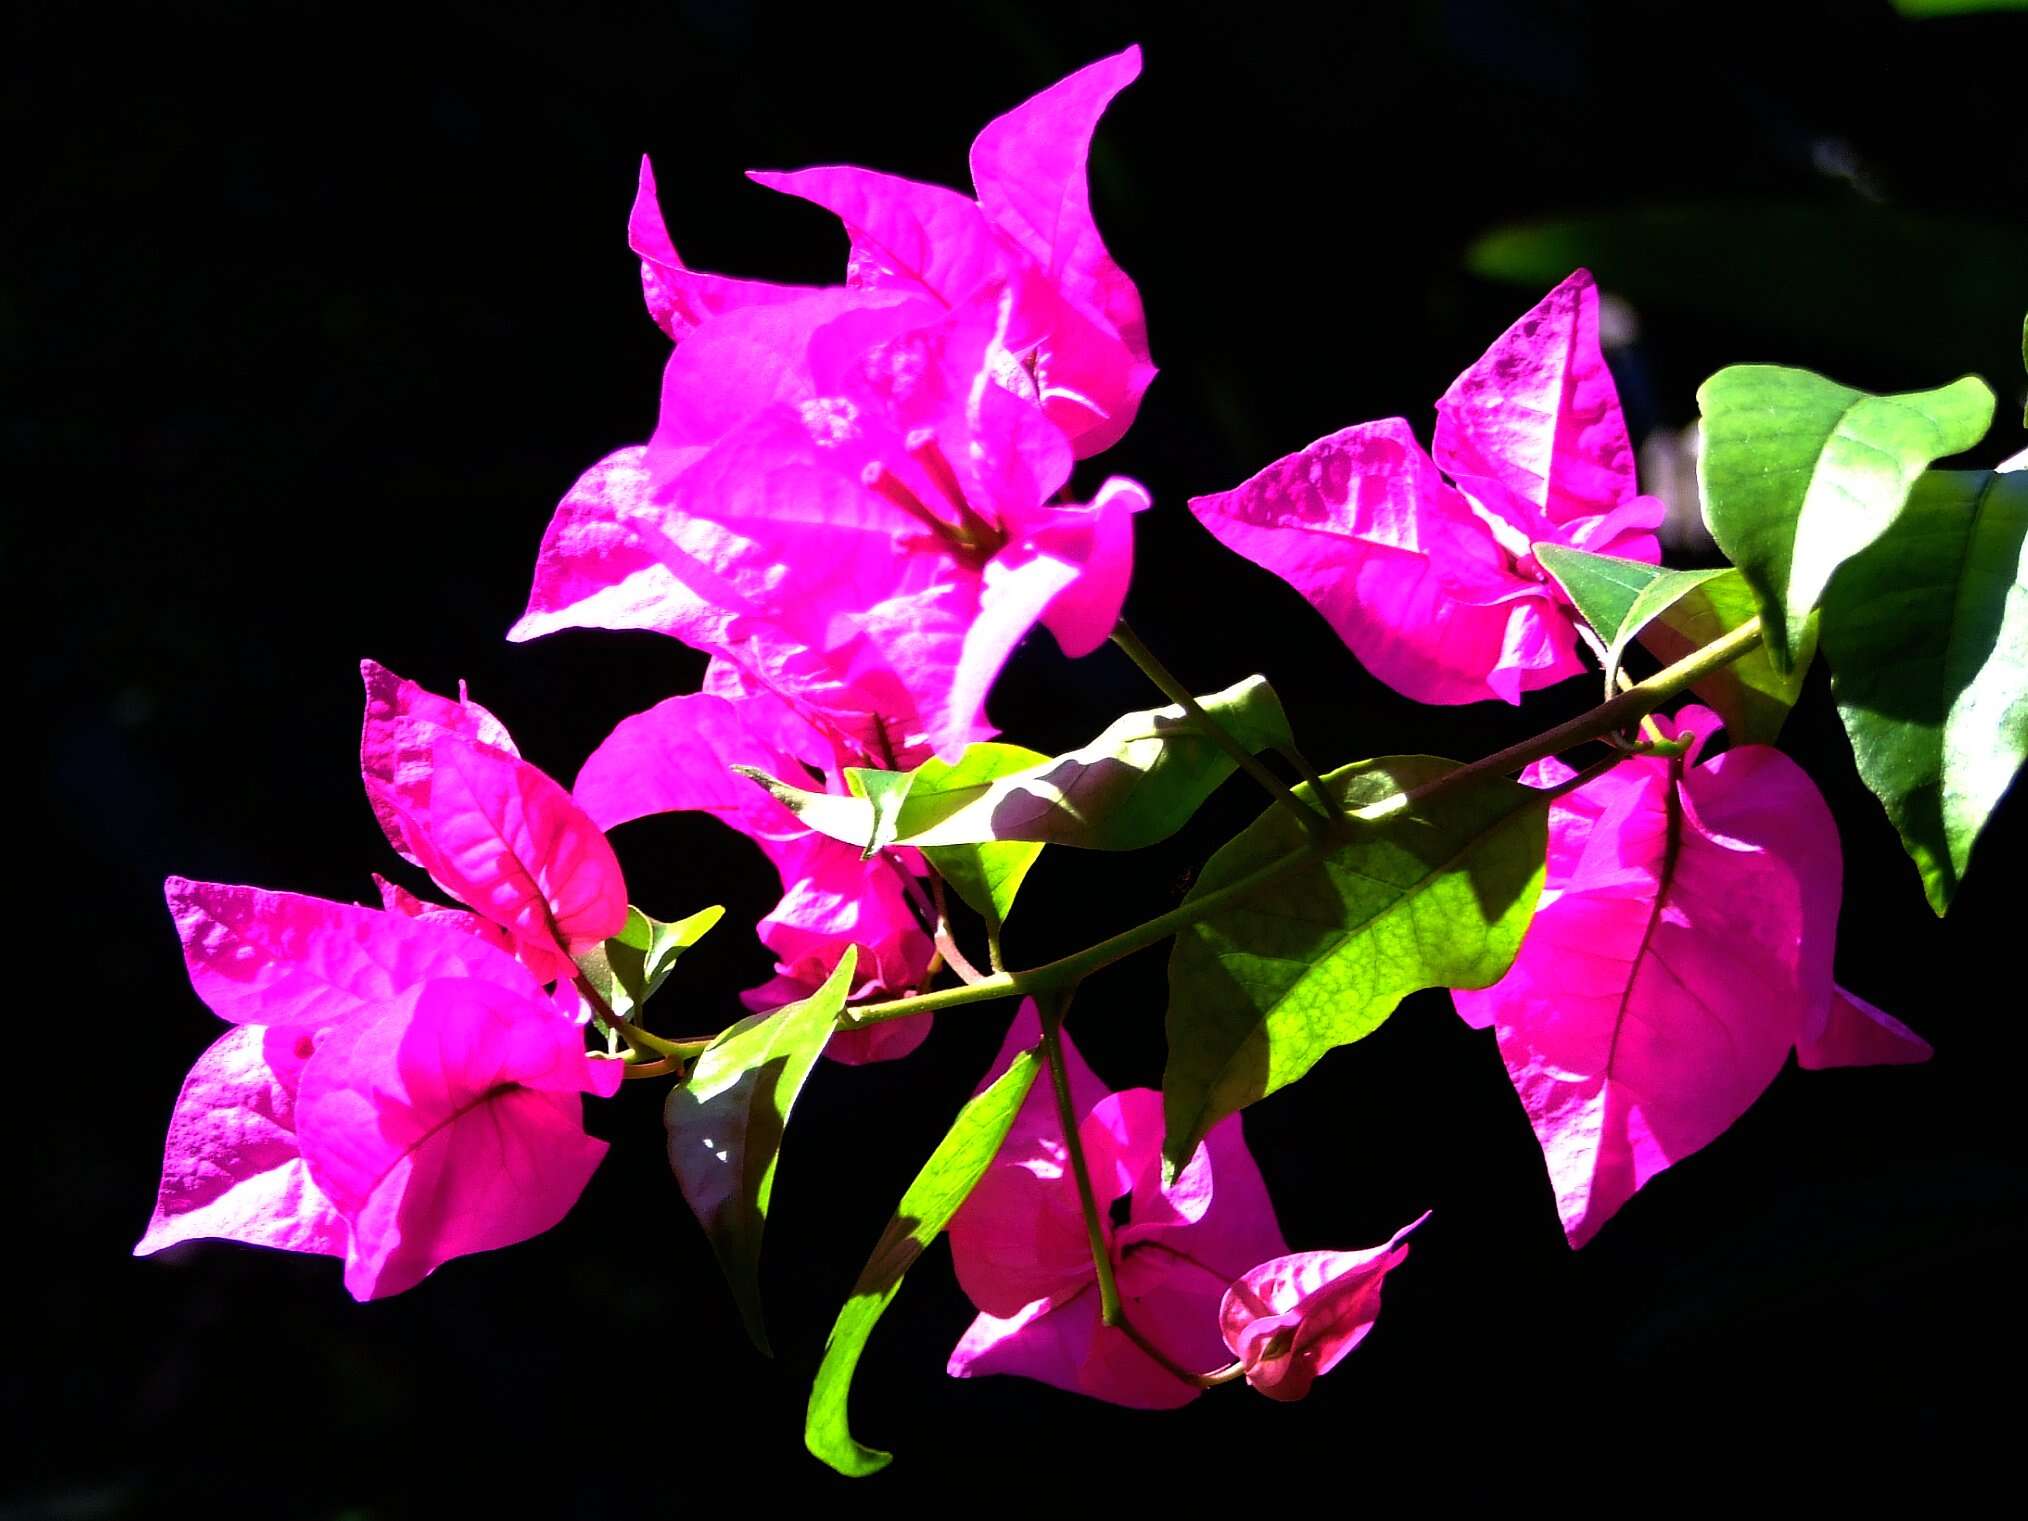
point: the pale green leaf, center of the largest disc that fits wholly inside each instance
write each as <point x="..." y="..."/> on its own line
<point x="1750" y="694"/>
<point x="944" y="1183"/>
<point x="884" y="793"/>
<point x="628" y="968"/>
<point x="986" y="876"/>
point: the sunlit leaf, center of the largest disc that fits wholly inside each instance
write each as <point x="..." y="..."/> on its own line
<point x="1927" y="636"/>
<point x="950" y="1174"/>
<point x="1799" y="474"/>
<point x="1137" y="783"/>
<point x="1436" y="894"/>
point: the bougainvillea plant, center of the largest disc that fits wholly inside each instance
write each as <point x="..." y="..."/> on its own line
<point x="856" y="502"/>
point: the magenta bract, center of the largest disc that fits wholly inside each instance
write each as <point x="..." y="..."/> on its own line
<point x="455" y="797"/>
<point x="399" y="1091"/>
<point x="1432" y="583"/>
<point x="855" y="495"/>
<point x="1022" y="1254"/>
<point x="1296" y="1317"/>
<point x="1681" y="949"/>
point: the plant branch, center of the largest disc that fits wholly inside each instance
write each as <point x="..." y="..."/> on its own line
<point x="1608" y="717"/>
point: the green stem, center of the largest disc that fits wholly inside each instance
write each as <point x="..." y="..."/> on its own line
<point x="1112" y="1312"/>
<point x="1312" y="821"/>
<point x="1073" y="1143"/>
<point x="1608" y="717"/>
<point x="1073" y="969"/>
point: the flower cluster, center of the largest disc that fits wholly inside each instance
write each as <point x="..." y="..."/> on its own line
<point x="856" y="502"/>
<point x="399" y="1087"/>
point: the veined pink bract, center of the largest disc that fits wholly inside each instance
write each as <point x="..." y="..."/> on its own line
<point x="1432" y="583"/>
<point x="1294" y="1318"/>
<point x="1680" y="951"/>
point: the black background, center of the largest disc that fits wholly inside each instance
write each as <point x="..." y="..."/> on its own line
<point x="312" y="314"/>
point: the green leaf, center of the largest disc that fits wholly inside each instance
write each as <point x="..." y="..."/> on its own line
<point x="725" y="1127"/>
<point x="1617" y="597"/>
<point x="1603" y="587"/>
<point x="1430" y="895"/>
<point x="1927" y="635"/>
<point x="1800" y="473"/>
<point x="945" y="1181"/>
<point x="1815" y="262"/>
<point x="986" y="876"/>
<point x="1750" y="694"/>
<point x="1137" y="783"/>
<point x="628" y="968"/>
<point x="1919" y="9"/>
<point x="884" y="793"/>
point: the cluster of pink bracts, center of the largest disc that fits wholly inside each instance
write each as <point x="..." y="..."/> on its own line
<point x="855" y="502"/>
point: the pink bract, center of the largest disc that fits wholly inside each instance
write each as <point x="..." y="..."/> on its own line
<point x="456" y="798"/>
<point x="232" y="1168"/>
<point x="855" y="495"/>
<point x="446" y="1124"/>
<point x="392" y="1093"/>
<point x="1021" y="1251"/>
<point x="1432" y="583"/>
<point x="1296" y="1317"/>
<point x="1681" y="949"/>
<point x="678" y="756"/>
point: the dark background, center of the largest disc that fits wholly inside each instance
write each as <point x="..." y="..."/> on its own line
<point x="312" y="315"/>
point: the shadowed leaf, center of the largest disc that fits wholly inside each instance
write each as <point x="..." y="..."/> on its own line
<point x="725" y="1126"/>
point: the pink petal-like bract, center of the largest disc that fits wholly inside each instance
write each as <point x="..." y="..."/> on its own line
<point x="679" y="298"/>
<point x="397" y="899"/>
<point x="1680" y="950"/>
<point x="265" y="958"/>
<point x="1028" y="168"/>
<point x="1023" y="1255"/>
<point x="1533" y="432"/>
<point x="232" y="1168"/>
<point x="1432" y="583"/>
<point x="854" y="496"/>
<point x="677" y="757"/>
<point x="495" y="832"/>
<point x="1856" y="1034"/>
<point x="402" y="720"/>
<point x="447" y="1123"/>
<point x="1295" y="1317"/>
